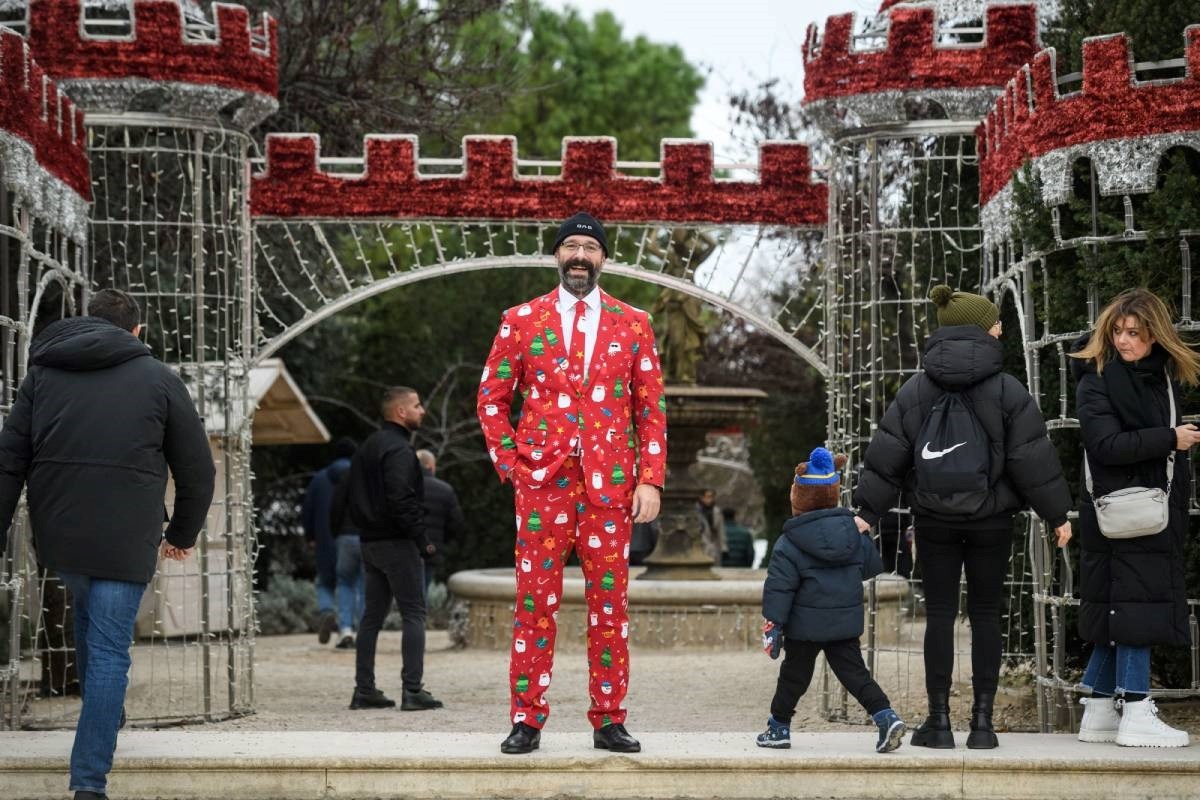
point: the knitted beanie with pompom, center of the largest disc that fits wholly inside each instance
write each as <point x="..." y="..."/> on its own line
<point x="963" y="308"/>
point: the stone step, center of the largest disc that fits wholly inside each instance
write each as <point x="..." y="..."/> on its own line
<point x="205" y="765"/>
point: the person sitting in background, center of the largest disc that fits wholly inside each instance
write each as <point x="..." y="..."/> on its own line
<point x="739" y="541"/>
<point x="714" y="532"/>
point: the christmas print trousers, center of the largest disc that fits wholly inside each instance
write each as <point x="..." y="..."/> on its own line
<point x="551" y="520"/>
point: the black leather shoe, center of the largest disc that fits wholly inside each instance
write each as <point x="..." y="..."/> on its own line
<point x="85" y="795"/>
<point x="370" y="698"/>
<point x="523" y="739"/>
<point x="614" y="737"/>
<point x="419" y="700"/>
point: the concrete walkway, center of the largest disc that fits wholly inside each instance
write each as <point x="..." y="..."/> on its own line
<point x="319" y="765"/>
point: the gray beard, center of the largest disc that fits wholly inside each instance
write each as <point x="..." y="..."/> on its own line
<point x="579" y="287"/>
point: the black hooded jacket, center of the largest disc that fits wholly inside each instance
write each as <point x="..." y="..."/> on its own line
<point x="1024" y="470"/>
<point x="95" y="426"/>
<point x="1131" y="591"/>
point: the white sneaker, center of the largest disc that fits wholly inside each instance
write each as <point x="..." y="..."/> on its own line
<point x="1141" y="727"/>
<point x="1100" y="720"/>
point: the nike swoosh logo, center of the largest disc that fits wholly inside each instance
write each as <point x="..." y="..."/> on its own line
<point x="928" y="454"/>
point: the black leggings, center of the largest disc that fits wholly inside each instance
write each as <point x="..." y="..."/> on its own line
<point x="942" y="554"/>
<point x="844" y="658"/>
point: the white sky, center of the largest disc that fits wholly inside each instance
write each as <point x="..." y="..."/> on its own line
<point x="743" y="43"/>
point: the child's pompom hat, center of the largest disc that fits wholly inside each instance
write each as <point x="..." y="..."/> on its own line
<point x="817" y="482"/>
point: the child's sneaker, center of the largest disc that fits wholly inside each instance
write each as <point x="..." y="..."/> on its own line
<point x="891" y="730"/>
<point x="777" y="735"/>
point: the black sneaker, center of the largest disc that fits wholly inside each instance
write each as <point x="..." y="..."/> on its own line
<point x="777" y="736"/>
<point x="345" y="643"/>
<point x="327" y="627"/>
<point x="86" y="795"/>
<point x="370" y="698"/>
<point x="419" y="700"/>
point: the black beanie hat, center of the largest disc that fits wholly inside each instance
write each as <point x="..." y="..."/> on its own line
<point x="582" y="224"/>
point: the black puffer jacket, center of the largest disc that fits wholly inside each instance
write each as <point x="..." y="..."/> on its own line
<point x="1024" y="471"/>
<point x="95" y="427"/>
<point x="814" y="579"/>
<point x="1132" y="591"/>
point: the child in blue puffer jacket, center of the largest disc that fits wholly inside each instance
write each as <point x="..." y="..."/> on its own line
<point x="813" y="602"/>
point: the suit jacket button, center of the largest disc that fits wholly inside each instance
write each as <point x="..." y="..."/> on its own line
<point x="1113" y="611"/>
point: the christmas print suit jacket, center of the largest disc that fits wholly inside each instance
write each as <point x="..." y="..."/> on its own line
<point x="619" y="411"/>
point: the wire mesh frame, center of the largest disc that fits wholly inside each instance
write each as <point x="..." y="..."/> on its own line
<point x="904" y="215"/>
<point x="43" y="277"/>
<point x="1023" y="276"/>
<point x="170" y="226"/>
<point x="309" y="269"/>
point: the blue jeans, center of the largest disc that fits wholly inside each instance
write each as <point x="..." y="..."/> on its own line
<point x="1116" y="669"/>
<point x="104" y="616"/>
<point x="351" y="587"/>
<point x="326" y="558"/>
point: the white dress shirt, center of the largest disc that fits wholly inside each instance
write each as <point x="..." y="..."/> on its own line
<point x="591" y="321"/>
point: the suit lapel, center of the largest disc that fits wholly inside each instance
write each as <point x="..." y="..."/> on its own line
<point x="549" y="326"/>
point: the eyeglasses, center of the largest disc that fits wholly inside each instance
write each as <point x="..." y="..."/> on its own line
<point x="591" y="248"/>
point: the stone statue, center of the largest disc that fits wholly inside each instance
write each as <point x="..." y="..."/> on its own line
<point x="678" y="317"/>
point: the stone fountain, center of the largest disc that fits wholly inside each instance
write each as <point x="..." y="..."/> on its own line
<point x="692" y="412"/>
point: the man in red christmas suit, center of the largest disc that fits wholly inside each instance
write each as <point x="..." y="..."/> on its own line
<point x="586" y="460"/>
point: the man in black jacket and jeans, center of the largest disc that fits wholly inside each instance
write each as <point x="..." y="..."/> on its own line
<point x="95" y="427"/>
<point x="384" y="499"/>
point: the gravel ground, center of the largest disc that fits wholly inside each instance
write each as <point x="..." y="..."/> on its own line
<point x="302" y="685"/>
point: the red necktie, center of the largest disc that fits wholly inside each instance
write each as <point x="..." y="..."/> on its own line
<point x="578" y="345"/>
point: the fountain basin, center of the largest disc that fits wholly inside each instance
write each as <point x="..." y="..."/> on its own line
<point x="724" y="614"/>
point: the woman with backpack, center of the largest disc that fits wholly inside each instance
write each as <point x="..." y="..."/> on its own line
<point x="1132" y="591"/>
<point x="966" y="444"/>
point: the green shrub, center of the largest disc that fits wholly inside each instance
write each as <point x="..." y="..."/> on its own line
<point x="287" y="606"/>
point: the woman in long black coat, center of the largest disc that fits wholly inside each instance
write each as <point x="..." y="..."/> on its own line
<point x="1132" y="591"/>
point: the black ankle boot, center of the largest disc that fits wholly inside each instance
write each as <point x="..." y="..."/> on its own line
<point x="982" y="736"/>
<point x="935" y="731"/>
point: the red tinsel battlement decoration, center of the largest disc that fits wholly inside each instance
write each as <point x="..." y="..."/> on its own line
<point x="1032" y="119"/>
<point x="912" y="59"/>
<point x="34" y="111"/>
<point x="390" y="186"/>
<point x="158" y="49"/>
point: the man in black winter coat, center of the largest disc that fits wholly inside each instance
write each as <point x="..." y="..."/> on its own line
<point x="444" y="521"/>
<point x="95" y="427"/>
<point x="384" y="499"/>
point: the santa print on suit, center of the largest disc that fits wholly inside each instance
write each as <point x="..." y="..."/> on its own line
<point x="586" y="461"/>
